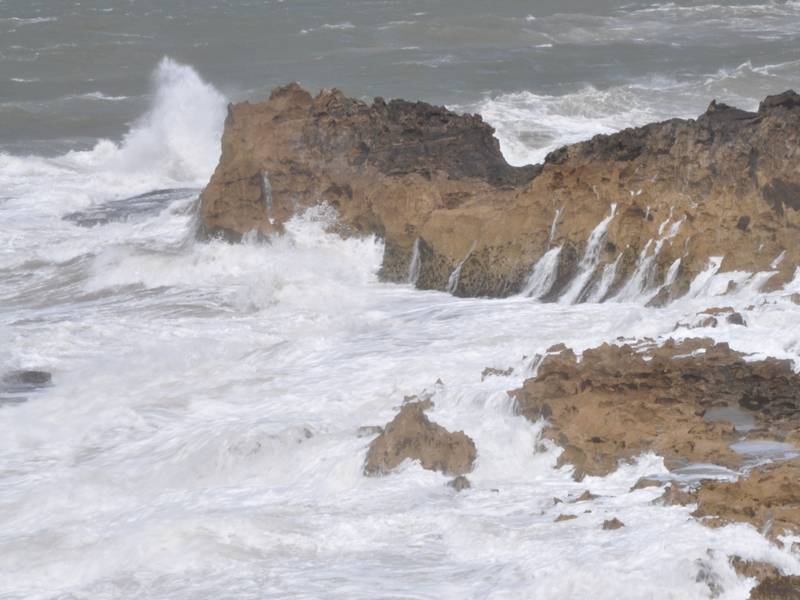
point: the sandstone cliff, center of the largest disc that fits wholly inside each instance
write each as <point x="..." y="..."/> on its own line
<point x="644" y="210"/>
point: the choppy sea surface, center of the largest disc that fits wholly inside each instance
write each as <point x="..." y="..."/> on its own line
<point x="200" y="437"/>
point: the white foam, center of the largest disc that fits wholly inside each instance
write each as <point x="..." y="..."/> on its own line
<point x="588" y="263"/>
<point x="599" y="293"/>
<point x="455" y="276"/>
<point x="543" y="275"/>
<point x="202" y="429"/>
<point x="415" y="263"/>
<point x="178" y="137"/>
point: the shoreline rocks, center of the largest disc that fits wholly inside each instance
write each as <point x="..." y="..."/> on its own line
<point x="781" y="587"/>
<point x="617" y="402"/>
<point x="638" y="213"/>
<point x="411" y="435"/>
<point x="613" y="524"/>
<point x="620" y="401"/>
<point x="768" y="498"/>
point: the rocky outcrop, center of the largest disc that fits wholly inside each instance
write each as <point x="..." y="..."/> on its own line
<point x="768" y="498"/>
<point x="721" y="192"/>
<point x="782" y="587"/>
<point x="411" y="435"/>
<point x="620" y="401"/>
<point x="612" y="524"/>
<point x="711" y="317"/>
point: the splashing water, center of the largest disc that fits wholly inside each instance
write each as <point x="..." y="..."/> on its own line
<point x="544" y="275"/>
<point x="553" y="227"/>
<point x="589" y="261"/>
<point x="414" y="265"/>
<point x="599" y="293"/>
<point x="173" y="138"/>
<point x="455" y="276"/>
<point x="201" y="436"/>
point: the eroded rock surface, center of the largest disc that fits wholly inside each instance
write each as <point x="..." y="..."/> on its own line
<point x="434" y="186"/>
<point x="768" y="499"/>
<point x="411" y="435"/>
<point x="612" y="524"/>
<point x="777" y="588"/>
<point x="620" y="401"/>
<point x="755" y="569"/>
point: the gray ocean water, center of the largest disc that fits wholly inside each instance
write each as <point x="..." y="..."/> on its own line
<point x="72" y="72"/>
<point x="201" y="433"/>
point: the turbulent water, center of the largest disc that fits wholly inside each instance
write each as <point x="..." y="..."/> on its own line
<point x="200" y="437"/>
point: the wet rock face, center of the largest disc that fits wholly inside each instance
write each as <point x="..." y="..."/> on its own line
<point x="28" y="379"/>
<point x="411" y="435"/>
<point x="128" y="209"/>
<point x="412" y="173"/>
<point x="16" y="383"/>
<point x="620" y="401"/>
<point x="612" y="524"/>
<point x="460" y="483"/>
<point x="768" y="499"/>
<point x="777" y="588"/>
<point x="400" y="137"/>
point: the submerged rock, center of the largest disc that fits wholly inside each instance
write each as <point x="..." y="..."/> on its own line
<point x="493" y="372"/>
<point x="757" y="570"/>
<point x="411" y="435"/>
<point x="619" y="401"/>
<point x="435" y="187"/>
<point x="612" y="524"/>
<point x="711" y="318"/>
<point x="369" y="431"/>
<point x="564" y="517"/>
<point x="127" y="209"/>
<point x="646" y="482"/>
<point x="736" y="318"/>
<point x="675" y="494"/>
<point x="460" y="483"/>
<point x="22" y="382"/>
<point x="731" y="316"/>
<point x="31" y="379"/>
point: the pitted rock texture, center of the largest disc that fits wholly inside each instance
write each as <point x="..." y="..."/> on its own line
<point x="768" y="498"/>
<point x="782" y="587"/>
<point x="620" y="401"/>
<point x="724" y="185"/>
<point x="411" y="435"/>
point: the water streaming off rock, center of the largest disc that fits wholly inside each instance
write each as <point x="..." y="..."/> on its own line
<point x="200" y="436"/>
<point x="588" y="263"/>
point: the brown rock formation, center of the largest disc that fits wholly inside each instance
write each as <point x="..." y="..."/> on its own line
<point x="768" y="499"/>
<point x="419" y="176"/>
<point x="412" y="435"/>
<point x="711" y="318"/>
<point x="564" y="517"/>
<point x="618" y="402"/>
<point x="756" y="570"/>
<point x="612" y="524"/>
<point x="777" y="588"/>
